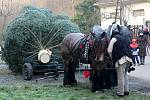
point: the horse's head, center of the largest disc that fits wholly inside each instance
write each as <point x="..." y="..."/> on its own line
<point x="100" y="47"/>
<point x="100" y="43"/>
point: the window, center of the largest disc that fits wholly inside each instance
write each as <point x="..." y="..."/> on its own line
<point x="139" y="12"/>
<point x="113" y="15"/>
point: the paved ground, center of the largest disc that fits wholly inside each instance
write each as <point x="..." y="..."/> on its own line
<point x="142" y="71"/>
<point x="139" y="80"/>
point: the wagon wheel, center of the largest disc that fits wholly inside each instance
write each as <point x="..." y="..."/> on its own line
<point x="27" y="71"/>
<point x="56" y="75"/>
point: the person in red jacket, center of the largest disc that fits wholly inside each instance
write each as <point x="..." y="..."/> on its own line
<point x="135" y="50"/>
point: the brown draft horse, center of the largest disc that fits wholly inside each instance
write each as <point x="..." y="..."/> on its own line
<point x="74" y="49"/>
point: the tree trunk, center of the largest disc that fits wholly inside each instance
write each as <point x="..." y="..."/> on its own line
<point x="3" y="28"/>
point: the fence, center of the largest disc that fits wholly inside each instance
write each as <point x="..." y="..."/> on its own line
<point x="135" y="29"/>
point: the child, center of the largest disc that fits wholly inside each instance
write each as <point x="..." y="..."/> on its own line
<point x="135" y="50"/>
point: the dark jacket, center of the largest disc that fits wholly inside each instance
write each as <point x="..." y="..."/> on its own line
<point x="120" y="49"/>
<point x="146" y="33"/>
<point x="142" y="41"/>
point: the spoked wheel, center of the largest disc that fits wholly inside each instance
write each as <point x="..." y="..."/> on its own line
<point x="27" y="71"/>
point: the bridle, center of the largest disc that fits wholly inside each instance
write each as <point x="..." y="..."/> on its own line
<point x="101" y="43"/>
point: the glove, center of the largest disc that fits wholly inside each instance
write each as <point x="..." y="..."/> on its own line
<point x="131" y="69"/>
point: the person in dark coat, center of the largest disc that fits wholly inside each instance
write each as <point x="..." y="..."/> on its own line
<point x="142" y="41"/>
<point x="145" y="31"/>
<point x="121" y="55"/>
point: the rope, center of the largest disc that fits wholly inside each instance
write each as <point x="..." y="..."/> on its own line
<point x="86" y="51"/>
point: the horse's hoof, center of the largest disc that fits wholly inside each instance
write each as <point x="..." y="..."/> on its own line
<point x="93" y="91"/>
<point x="73" y="81"/>
<point x="101" y="90"/>
<point x="74" y="84"/>
<point x="67" y="85"/>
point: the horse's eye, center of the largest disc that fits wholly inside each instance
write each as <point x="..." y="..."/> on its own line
<point x="102" y="35"/>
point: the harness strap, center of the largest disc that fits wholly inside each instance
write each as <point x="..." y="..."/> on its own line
<point x="76" y="46"/>
<point x="86" y="51"/>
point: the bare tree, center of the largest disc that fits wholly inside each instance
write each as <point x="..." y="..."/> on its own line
<point x="127" y="11"/>
<point x="7" y="9"/>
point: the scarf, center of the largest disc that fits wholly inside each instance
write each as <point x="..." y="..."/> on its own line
<point x="134" y="45"/>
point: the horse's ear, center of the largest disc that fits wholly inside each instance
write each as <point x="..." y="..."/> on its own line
<point x="92" y="34"/>
<point x="103" y="35"/>
<point x="119" y="28"/>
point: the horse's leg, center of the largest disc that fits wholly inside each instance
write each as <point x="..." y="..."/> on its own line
<point x="94" y="77"/>
<point x="73" y="65"/>
<point x="72" y="77"/>
<point x="69" y="72"/>
<point x="95" y="81"/>
<point x="66" y="59"/>
<point x="66" y="80"/>
<point x="108" y="77"/>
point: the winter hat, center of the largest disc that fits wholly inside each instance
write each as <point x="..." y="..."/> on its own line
<point x="134" y="43"/>
<point x="145" y="29"/>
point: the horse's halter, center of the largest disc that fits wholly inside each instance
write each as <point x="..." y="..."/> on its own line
<point x="100" y="47"/>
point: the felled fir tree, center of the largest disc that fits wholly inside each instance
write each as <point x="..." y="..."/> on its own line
<point x="32" y="30"/>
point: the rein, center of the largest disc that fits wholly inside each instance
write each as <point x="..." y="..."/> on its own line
<point x="81" y="48"/>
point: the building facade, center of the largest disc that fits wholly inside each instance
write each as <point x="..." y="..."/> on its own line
<point x="134" y="12"/>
